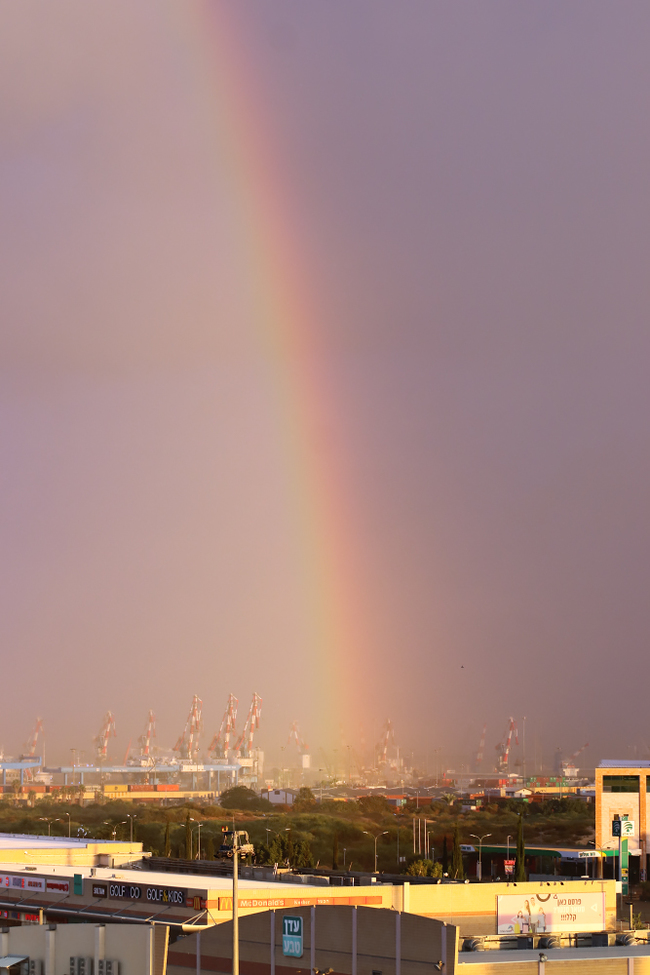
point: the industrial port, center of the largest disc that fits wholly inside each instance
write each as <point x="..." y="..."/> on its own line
<point x="206" y="764"/>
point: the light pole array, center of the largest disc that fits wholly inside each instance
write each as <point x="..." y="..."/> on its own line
<point x="375" y="838"/>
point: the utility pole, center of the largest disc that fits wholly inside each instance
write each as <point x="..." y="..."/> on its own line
<point x="235" y="907"/>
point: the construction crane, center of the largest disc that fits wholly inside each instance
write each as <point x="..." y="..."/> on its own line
<point x="101" y="741"/>
<point x="244" y="745"/>
<point x="187" y="745"/>
<point x="503" y="748"/>
<point x="220" y="744"/>
<point x="481" y="748"/>
<point x="145" y="740"/>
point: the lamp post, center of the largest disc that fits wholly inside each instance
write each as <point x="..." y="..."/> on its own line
<point x="198" y="826"/>
<point x="131" y="817"/>
<point x="375" y="838"/>
<point x="235" y="905"/>
<point x="479" y="866"/>
<point x="49" y="822"/>
<point x="68" y="815"/>
<point x="431" y="850"/>
<point x="114" y="826"/>
<point x="508" y="838"/>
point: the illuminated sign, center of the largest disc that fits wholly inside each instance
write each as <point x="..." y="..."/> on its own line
<point x="155" y="895"/>
<point x="21" y="881"/>
<point x="59" y="886"/>
<point x="265" y="903"/>
<point x="125" y="892"/>
<point x="555" y="912"/>
<point x="100" y="890"/>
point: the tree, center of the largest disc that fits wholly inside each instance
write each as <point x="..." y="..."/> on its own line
<point x="445" y="855"/>
<point x="305" y="800"/>
<point x="241" y="797"/>
<point x="304" y="858"/>
<point x="168" y="842"/>
<point x="335" y="852"/>
<point x="424" y="868"/>
<point x="520" y="858"/>
<point x="208" y="848"/>
<point x="188" y="837"/>
<point x="457" y="868"/>
<point x="275" y="850"/>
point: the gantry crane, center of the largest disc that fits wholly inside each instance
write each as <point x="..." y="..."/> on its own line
<point x="101" y="741"/>
<point x="244" y="745"/>
<point x="145" y="740"/>
<point x="30" y="748"/>
<point x="481" y="748"/>
<point x="187" y="745"/>
<point x="387" y="737"/>
<point x="503" y="748"/>
<point x="220" y="744"/>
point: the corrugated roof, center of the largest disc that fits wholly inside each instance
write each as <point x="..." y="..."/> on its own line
<point x="623" y="763"/>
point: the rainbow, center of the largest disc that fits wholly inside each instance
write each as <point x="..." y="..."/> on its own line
<point x="274" y="255"/>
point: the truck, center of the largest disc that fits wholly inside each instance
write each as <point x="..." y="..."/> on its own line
<point x="244" y="846"/>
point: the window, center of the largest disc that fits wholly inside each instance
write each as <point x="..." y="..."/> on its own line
<point x="620" y="783"/>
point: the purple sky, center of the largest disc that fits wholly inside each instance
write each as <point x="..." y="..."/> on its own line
<point x="471" y="186"/>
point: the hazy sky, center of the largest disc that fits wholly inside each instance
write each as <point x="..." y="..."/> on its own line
<point x="459" y="192"/>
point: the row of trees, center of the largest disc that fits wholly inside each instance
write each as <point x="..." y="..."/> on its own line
<point x="456" y="869"/>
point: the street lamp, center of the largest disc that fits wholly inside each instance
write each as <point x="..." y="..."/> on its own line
<point x="131" y="817"/>
<point x="49" y="822"/>
<point x="431" y="850"/>
<point x="375" y="838"/>
<point x="199" y="825"/>
<point x="68" y="815"/>
<point x="508" y="838"/>
<point x="479" y="866"/>
<point x="114" y="827"/>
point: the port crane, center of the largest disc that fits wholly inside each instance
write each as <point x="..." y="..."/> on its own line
<point x="187" y="745"/>
<point x="481" y="748"/>
<point x="387" y="737"/>
<point x="101" y="741"/>
<point x="220" y="744"/>
<point x="294" y="735"/>
<point x="569" y="765"/>
<point x="503" y="748"/>
<point x="30" y="748"/>
<point x="244" y="745"/>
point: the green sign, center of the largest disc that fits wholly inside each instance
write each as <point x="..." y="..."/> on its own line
<point x="292" y="936"/>
<point x="78" y="884"/>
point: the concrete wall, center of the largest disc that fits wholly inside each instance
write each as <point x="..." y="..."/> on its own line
<point x="381" y="935"/>
<point x="612" y="965"/>
<point x="140" y="949"/>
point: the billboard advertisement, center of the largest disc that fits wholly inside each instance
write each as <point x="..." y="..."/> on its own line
<point x="556" y="912"/>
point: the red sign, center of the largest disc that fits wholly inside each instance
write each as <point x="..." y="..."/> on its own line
<point x="509" y="866"/>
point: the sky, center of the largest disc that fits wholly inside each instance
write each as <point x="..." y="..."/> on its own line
<point x="323" y="373"/>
